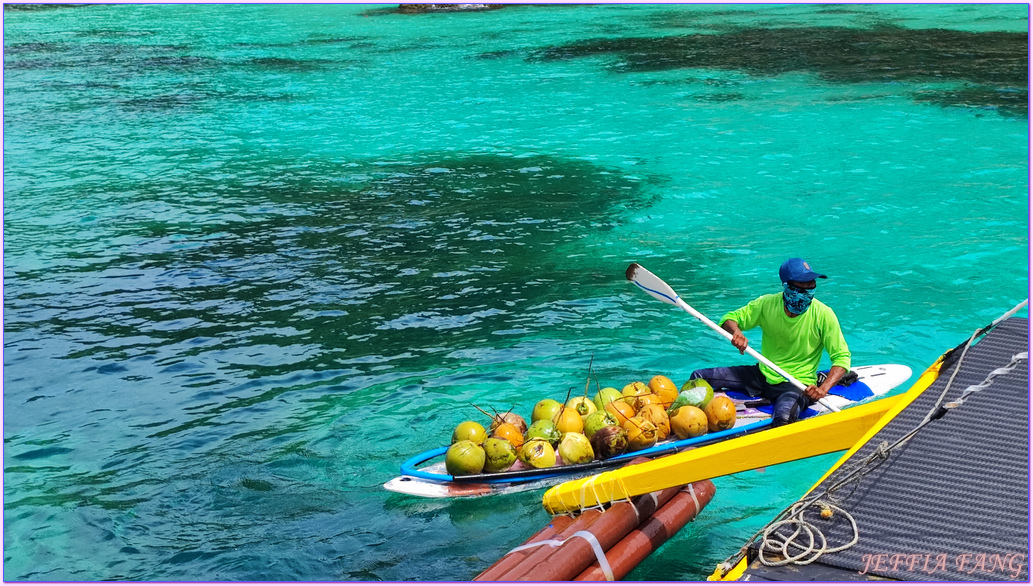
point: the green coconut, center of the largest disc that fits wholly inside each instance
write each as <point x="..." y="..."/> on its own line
<point x="606" y="396"/>
<point x="469" y="430"/>
<point x="464" y="457"/>
<point x="543" y="429"/>
<point x="499" y="455"/>
<point x="538" y="453"/>
<point x="576" y="449"/>
<point x="545" y="409"/>
<point x="597" y="421"/>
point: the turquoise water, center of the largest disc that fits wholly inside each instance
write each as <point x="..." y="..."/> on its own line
<point x="257" y="255"/>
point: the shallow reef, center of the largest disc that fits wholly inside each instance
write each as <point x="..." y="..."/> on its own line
<point x="38" y="7"/>
<point x="458" y="243"/>
<point x="993" y="64"/>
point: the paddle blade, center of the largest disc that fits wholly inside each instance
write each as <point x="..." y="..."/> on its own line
<point x="651" y="283"/>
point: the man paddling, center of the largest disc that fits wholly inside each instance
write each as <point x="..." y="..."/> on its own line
<point x="796" y="329"/>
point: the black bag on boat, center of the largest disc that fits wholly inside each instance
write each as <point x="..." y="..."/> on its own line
<point x="848" y="379"/>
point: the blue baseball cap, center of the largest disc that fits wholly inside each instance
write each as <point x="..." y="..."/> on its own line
<point x="797" y="269"/>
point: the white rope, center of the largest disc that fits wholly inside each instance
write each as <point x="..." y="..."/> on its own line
<point x="1015" y="360"/>
<point x="585" y="485"/>
<point x="1009" y="313"/>
<point x="600" y="555"/>
<point x="771" y="540"/>
<point x="597" y="548"/>
<point x="692" y="492"/>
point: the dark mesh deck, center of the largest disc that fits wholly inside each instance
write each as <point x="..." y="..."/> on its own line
<point x="960" y="487"/>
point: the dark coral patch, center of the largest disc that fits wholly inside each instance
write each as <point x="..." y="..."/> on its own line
<point x="995" y="61"/>
<point x="1008" y="101"/>
<point x="451" y="245"/>
<point x="39" y="7"/>
<point x="721" y="97"/>
<point x="289" y="64"/>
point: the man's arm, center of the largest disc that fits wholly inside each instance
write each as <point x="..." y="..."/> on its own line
<point x="839" y="353"/>
<point x="746" y="316"/>
<point x="738" y="339"/>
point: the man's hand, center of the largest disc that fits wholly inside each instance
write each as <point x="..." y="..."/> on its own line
<point x="816" y="392"/>
<point x="738" y="340"/>
<point x="835" y="374"/>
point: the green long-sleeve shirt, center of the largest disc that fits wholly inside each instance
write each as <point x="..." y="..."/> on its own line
<point x="794" y="344"/>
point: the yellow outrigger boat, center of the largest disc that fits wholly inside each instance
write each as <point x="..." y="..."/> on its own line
<point x="831" y="432"/>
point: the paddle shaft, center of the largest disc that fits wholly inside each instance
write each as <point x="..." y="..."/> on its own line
<point x="749" y="349"/>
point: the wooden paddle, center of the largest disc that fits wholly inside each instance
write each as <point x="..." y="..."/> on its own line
<point x="656" y="287"/>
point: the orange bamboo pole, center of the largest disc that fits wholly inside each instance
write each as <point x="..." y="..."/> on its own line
<point x="534" y="556"/>
<point x="511" y="559"/>
<point x="559" y="529"/>
<point x="652" y="533"/>
<point x="566" y="561"/>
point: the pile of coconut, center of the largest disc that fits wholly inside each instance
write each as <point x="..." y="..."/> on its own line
<point x="609" y="424"/>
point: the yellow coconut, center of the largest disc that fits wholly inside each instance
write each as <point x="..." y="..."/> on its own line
<point x="569" y="421"/>
<point x="642" y="401"/>
<point x="511" y="433"/>
<point x="464" y="457"/>
<point x="641" y="434"/>
<point x="545" y="409"/>
<point x="720" y="413"/>
<point x="689" y="421"/>
<point x="621" y="410"/>
<point x="538" y="453"/>
<point x="635" y="389"/>
<point x="583" y="405"/>
<point x="469" y="430"/>
<point x="664" y="388"/>
<point x="656" y="415"/>
<point x="499" y="454"/>
<point x="575" y="448"/>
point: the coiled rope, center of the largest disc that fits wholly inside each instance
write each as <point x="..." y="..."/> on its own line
<point x="792" y="548"/>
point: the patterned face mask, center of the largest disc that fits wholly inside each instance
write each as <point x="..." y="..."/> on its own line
<point x="797" y="300"/>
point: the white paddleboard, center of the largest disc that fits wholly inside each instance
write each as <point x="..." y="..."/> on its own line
<point x="880" y="378"/>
